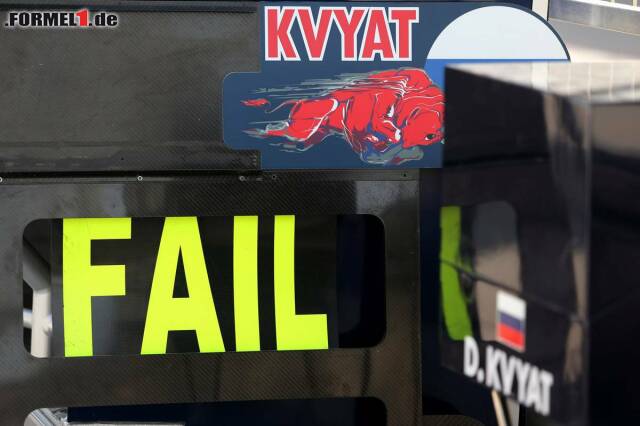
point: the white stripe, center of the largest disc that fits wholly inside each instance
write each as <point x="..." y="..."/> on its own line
<point x="511" y="305"/>
<point x="497" y="406"/>
<point x="541" y="7"/>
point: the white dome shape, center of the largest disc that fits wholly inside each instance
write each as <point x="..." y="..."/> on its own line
<point x="498" y="32"/>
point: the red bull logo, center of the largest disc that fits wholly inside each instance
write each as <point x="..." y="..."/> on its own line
<point x="371" y="25"/>
<point x="385" y="117"/>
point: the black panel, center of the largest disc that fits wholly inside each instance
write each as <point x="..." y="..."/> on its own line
<point x="146" y="95"/>
<point x="389" y="372"/>
<point x="559" y="144"/>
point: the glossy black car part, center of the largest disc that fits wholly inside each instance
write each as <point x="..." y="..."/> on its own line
<point x="543" y="167"/>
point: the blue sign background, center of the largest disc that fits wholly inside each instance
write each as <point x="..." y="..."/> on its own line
<point x="334" y="152"/>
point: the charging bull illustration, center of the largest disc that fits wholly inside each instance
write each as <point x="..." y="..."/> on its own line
<point x="385" y="117"/>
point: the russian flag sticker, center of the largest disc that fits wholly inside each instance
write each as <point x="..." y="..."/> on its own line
<point x="510" y="322"/>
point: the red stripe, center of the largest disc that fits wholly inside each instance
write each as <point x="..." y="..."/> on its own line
<point x="511" y="335"/>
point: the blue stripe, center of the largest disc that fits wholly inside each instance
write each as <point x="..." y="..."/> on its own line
<point x="511" y="321"/>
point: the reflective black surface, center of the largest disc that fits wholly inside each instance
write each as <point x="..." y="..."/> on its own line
<point x="543" y="166"/>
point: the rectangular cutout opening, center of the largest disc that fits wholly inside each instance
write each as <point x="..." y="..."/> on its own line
<point x="122" y="286"/>
<point x="309" y="412"/>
